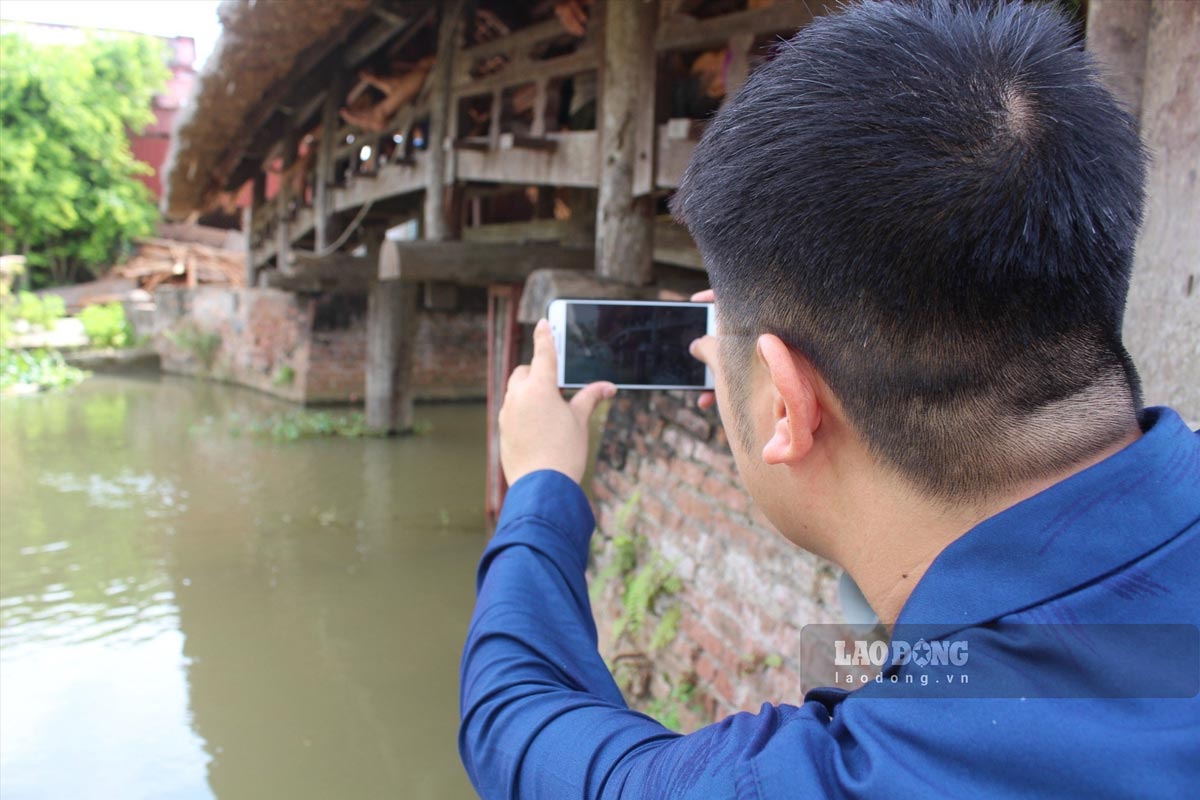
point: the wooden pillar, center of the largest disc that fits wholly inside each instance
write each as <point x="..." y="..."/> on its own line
<point x="283" y="207"/>
<point x="323" y="177"/>
<point x="624" y="222"/>
<point x="258" y="196"/>
<point x="437" y="226"/>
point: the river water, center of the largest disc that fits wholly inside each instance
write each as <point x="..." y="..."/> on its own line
<point x="189" y="613"/>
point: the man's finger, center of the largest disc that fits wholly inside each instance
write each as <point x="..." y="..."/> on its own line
<point x="519" y="374"/>
<point x="705" y="296"/>
<point x="585" y="400"/>
<point x="545" y="361"/>
<point x="704" y="349"/>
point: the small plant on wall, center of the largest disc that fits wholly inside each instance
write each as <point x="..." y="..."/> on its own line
<point x="647" y="619"/>
<point x="201" y="345"/>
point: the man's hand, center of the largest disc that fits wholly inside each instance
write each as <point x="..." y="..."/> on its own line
<point x="538" y="428"/>
<point x="705" y="349"/>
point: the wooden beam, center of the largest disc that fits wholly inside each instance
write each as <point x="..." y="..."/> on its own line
<point x="516" y="141"/>
<point x="624" y="233"/>
<point x="475" y="263"/>
<point x="684" y="32"/>
<point x="437" y="226"/>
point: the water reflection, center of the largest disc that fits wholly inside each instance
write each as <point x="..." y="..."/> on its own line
<point x="188" y="614"/>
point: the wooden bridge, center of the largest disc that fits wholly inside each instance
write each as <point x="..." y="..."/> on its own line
<point x="528" y="145"/>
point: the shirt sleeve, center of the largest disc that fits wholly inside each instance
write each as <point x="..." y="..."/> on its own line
<point x="541" y="714"/>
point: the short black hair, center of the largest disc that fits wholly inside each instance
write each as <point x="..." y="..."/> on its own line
<point x="935" y="202"/>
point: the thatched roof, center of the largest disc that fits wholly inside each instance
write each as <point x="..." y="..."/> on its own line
<point x="259" y="45"/>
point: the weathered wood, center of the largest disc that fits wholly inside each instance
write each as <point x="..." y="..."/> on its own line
<point x="478" y="143"/>
<point x="516" y="141"/>
<point x="685" y="32"/>
<point x="538" y="230"/>
<point x="739" y="63"/>
<point x="672" y="156"/>
<point x="391" y="335"/>
<point x="524" y="69"/>
<point x="475" y="263"/>
<point x="324" y="178"/>
<point x="573" y="162"/>
<point x="674" y="245"/>
<point x="581" y="226"/>
<point x="623" y="222"/>
<point x="684" y="129"/>
<point x="437" y="226"/>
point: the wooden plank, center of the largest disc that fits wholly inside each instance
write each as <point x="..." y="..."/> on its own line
<point x="572" y="163"/>
<point x="475" y="263"/>
<point x="674" y="245"/>
<point x="671" y="158"/>
<point x="623" y="223"/>
<point x="684" y="32"/>
<point x="516" y="141"/>
<point x="530" y="70"/>
<point x="538" y="230"/>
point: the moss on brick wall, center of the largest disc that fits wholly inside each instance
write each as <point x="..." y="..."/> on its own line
<point x="731" y="592"/>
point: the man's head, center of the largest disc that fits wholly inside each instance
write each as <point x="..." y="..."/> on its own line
<point x="934" y="206"/>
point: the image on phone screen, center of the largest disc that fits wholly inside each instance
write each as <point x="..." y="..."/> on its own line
<point x="641" y="345"/>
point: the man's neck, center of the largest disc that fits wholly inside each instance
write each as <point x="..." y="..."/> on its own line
<point x="896" y="537"/>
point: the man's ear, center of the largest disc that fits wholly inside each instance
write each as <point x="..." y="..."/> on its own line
<point x="795" y="412"/>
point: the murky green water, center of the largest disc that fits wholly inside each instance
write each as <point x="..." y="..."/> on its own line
<point x="188" y="614"/>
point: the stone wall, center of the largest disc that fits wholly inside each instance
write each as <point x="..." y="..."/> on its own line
<point x="309" y="348"/>
<point x="678" y="539"/>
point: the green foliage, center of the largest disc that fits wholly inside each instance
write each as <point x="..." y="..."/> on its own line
<point x="667" y="709"/>
<point x="36" y="369"/>
<point x="644" y="583"/>
<point x="202" y="345"/>
<point x="69" y="195"/>
<point x="106" y="325"/>
<point x="40" y="312"/>
<point x="294" y="425"/>
<point x="285" y="375"/>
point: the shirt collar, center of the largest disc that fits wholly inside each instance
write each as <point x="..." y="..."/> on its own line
<point x="1069" y="534"/>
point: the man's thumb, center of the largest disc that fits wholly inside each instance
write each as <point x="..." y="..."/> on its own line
<point x="585" y="400"/>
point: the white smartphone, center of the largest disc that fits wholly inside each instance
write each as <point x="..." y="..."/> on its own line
<point x="634" y="344"/>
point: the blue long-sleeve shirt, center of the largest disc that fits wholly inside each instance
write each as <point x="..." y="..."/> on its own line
<point x="1062" y="702"/>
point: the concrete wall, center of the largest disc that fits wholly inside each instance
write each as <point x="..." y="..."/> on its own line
<point x="308" y="349"/>
<point x="1151" y="51"/>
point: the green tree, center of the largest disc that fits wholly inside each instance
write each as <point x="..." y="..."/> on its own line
<point x="69" y="195"/>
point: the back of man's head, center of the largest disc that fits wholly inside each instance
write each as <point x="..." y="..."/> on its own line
<point x="936" y="203"/>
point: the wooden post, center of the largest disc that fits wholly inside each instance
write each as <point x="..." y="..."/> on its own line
<point x="437" y="226"/>
<point x="323" y="177"/>
<point x="739" y="64"/>
<point x="283" y="207"/>
<point x="624" y="222"/>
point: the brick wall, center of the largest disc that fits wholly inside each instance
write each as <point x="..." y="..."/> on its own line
<point x="679" y="539"/>
<point x="308" y="349"/>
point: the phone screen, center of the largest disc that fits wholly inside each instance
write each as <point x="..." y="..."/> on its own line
<point x="644" y="345"/>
